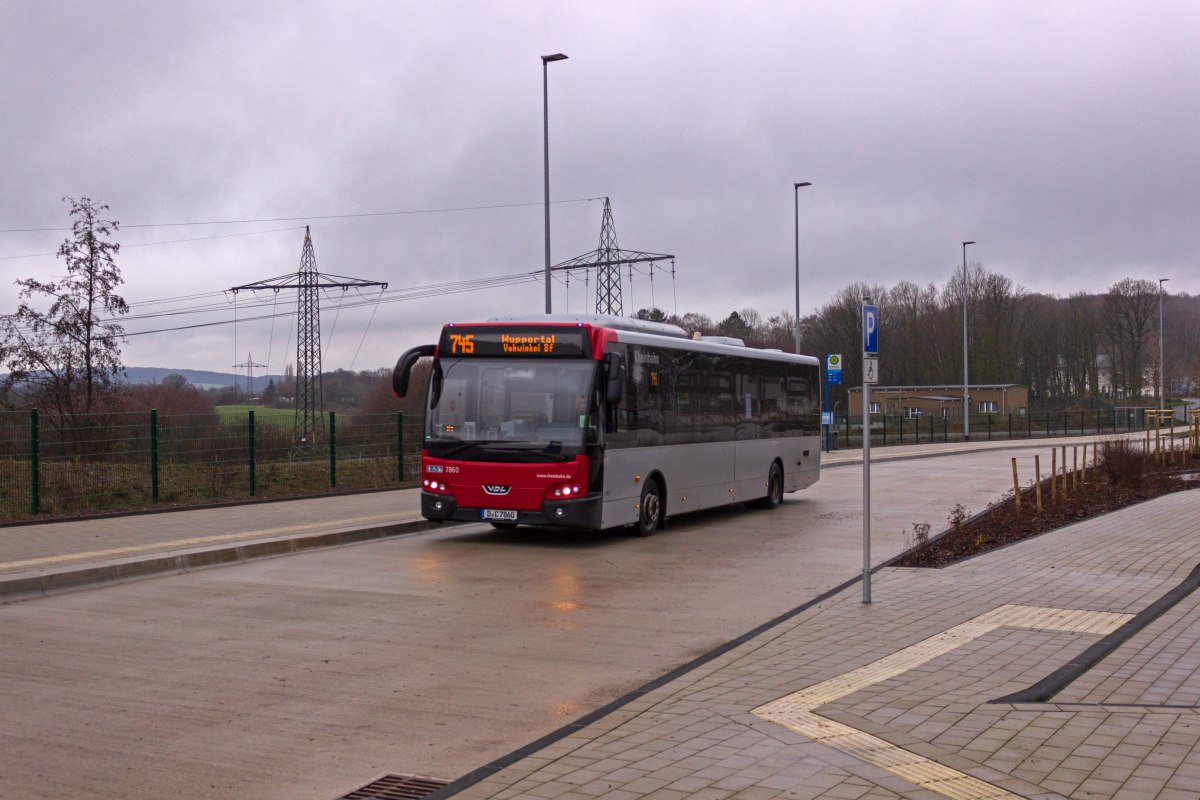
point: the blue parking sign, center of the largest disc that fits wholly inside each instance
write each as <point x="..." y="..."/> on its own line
<point x="870" y="329"/>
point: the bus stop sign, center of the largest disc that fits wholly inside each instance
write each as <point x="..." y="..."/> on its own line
<point x="833" y="369"/>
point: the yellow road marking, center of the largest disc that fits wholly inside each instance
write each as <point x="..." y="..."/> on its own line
<point x="796" y="711"/>
<point x="191" y="542"/>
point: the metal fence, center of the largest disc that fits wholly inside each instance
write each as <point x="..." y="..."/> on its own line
<point x="846" y="432"/>
<point x="95" y="463"/>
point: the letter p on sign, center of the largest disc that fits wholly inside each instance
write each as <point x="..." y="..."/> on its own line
<point x="870" y="329"/>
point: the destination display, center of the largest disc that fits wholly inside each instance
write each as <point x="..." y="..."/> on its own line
<point x="494" y="341"/>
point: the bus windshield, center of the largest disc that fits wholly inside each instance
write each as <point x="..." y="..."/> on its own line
<point x="541" y="403"/>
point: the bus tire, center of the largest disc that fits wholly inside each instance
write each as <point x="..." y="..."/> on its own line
<point x="774" y="488"/>
<point x="650" y="509"/>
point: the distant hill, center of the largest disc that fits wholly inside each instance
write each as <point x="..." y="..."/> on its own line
<point x="198" y="377"/>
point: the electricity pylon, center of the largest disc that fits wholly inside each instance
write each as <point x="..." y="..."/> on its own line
<point x="309" y="427"/>
<point x="607" y="259"/>
<point x="249" y="366"/>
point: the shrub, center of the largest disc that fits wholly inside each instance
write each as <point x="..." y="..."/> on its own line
<point x="1121" y="462"/>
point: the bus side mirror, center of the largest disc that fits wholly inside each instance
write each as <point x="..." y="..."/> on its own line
<point x="614" y="378"/>
<point x="404" y="367"/>
<point x="435" y="384"/>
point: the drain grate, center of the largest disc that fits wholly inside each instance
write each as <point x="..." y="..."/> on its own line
<point x="396" y="787"/>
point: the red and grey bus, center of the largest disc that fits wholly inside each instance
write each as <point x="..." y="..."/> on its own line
<point x="599" y="422"/>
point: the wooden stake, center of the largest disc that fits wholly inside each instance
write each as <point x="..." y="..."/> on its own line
<point x="1053" y="475"/>
<point x="1016" y="486"/>
<point x="1037" y="480"/>
<point x="1064" y="471"/>
<point x="1074" y="467"/>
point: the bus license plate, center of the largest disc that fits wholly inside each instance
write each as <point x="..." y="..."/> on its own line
<point x="496" y="514"/>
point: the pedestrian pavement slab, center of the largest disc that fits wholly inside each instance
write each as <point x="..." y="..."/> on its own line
<point x="898" y="698"/>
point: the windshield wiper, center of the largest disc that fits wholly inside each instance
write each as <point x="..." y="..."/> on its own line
<point x="553" y="449"/>
<point x="457" y="449"/>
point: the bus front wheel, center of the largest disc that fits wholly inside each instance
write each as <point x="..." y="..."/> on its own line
<point x="650" y="509"/>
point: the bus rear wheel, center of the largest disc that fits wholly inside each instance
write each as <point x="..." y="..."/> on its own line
<point x="774" y="488"/>
<point x="649" y="509"/>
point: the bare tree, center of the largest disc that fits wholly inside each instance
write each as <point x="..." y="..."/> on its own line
<point x="995" y="316"/>
<point x="1130" y="327"/>
<point x="1041" y="348"/>
<point x="1081" y="346"/>
<point x="61" y="358"/>
<point x="1181" y="322"/>
<point x="918" y="351"/>
<point x="779" y="331"/>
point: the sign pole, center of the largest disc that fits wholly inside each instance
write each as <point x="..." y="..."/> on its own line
<point x="866" y="490"/>
<point x="825" y="399"/>
<point x="870" y="374"/>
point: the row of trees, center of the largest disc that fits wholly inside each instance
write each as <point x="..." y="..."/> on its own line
<point x="1068" y="351"/>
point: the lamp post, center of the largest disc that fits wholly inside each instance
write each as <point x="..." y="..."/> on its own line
<point x="1162" y="367"/>
<point x="546" y="133"/>
<point x="966" y="397"/>
<point x="796" y="197"/>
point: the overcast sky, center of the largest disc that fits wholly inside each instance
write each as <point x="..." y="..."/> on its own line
<point x="1064" y="137"/>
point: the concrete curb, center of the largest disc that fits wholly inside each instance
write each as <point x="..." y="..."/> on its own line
<point x="18" y="587"/>
<point x="880" y="453"/>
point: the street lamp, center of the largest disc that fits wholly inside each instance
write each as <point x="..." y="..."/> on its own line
<point x="966" y="397"/>
<point x="1162" y="367"/>
<point x="796" y="197"/>
<point x="546" y="133"/>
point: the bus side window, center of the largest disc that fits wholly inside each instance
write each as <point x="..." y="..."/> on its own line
<point x="750" y="409"/>
<point x="774" y="393"/>
<point x="645" y="419"/>
<point x="716" y="399"/>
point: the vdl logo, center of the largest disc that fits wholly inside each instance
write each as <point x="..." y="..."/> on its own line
<point x="497" y="489"/>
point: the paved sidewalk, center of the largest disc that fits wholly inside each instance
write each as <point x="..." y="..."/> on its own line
<point x="897" y="699"/>
<point x="45" y="558"/>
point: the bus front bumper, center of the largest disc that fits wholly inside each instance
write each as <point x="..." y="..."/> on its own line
<point x="583" y="512"/>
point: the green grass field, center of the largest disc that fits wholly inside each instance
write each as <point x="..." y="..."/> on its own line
<point x="277" y="416"/>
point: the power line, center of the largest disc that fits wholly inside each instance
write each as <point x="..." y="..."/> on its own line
<point x="169" y="241"/>
<point x="415" y="293"/>
<point x="390" y="296"/>
<point x="314" y="217"/>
